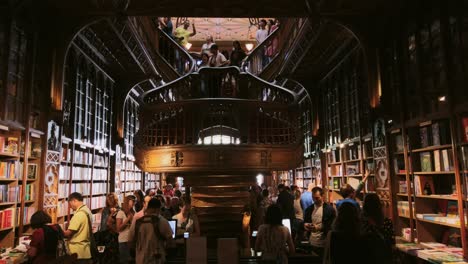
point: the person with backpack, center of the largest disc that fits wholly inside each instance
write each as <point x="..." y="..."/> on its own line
<point x="150" y="235"/>
<point x="79" y="231"/>
<point x="44" y="246"/>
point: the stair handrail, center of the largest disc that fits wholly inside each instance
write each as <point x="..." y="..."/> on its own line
<point x="253" y="62"/>
<point x="199" y="85"/>
<point x="166" y="47"/>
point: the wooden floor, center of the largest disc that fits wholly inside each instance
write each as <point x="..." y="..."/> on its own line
<point x="296" y="259"/>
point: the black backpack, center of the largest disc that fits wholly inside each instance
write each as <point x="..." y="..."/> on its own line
<point x="154" y="220"/>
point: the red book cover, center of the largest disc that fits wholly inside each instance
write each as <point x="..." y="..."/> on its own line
<point x="1" y="219"/>
<point x="8" y="218"/>
<point x="465" y="129"/>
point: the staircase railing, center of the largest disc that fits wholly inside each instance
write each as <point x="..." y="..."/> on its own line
<point x="163" y="47"/>
<point x="277" y="44"/>
<point x="222" y="82"/>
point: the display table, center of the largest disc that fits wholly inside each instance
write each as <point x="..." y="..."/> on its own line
<point x="433" y="253"/>
<point x="13" y="256"/>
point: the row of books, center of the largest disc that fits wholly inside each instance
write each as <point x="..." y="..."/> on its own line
<point x="130" y="165"/>
<point x="132" y="176"/>
<point x="7" y="218"/>
<point x="96" y="203"/>
<point x="34" y="151"/>
<point x="83" y="157"/>
<point x="434" y="135"/>
<point x="28" y="211"/>
<point x="131" y="186"/>
<point x="8" y="170"/>
<point x="101" y="161"/>
<point x="440" y="218"/>
<point x="83" y="188"/>
<point x="9" y="194"/>
<point x="442" y="160"/>
<point x="82" y="173"/>
<point x="9" y="145"/>
<point x="354" y="152"/>
<point x="403" y="208"/>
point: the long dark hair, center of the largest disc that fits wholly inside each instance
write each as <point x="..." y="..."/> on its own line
<point x="347" y="220"/>
<point x="40" y="219"/>
<point x="372" y="208"/>
<point x="273" y="215"/>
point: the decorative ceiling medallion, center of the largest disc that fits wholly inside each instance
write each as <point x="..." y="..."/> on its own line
<point x="177" y="159"/>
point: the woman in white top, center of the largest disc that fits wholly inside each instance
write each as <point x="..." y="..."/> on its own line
<point x="272" y="238"/>
<point x="124" y="220"/>
<point x="206" y="46"/>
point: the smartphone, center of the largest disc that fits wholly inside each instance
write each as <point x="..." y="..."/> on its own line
<point x="254" y="233"/>
<point x="186" y="235"/>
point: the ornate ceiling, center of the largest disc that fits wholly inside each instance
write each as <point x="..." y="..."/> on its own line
<point x="222" y="29"/>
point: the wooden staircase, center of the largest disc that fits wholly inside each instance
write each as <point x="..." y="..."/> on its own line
<point x="219" y="201"/>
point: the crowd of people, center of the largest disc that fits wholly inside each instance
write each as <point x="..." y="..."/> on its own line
<point x="210" y="55"/>
<point x="132" y="232"/>
<point x="332" y="231"/>
<point x="138" y="230"/>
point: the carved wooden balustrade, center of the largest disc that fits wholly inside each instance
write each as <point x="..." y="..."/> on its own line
<point x="218" y="109"/>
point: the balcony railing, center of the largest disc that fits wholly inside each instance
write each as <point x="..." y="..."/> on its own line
<point x="242" y="122"/>
<point x="222" y="82"/>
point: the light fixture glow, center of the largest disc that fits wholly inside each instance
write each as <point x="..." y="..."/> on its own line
<point x="390" y="121"/>
<point x="342" y="145"/>
<point x="442" y="98"/>
<point x="249" y="46"/>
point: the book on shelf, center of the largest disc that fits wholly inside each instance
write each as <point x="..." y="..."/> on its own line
<point x="447" y="160"/>
<point x="464" y="126"/>
<point x="7" y="218"/>
<point x="8" y="170"/>
<point x="352" y="169"/>
<point x="426" y="161"/>
<point x="435" y="134"/>
<point x="399" y="143"/>
<point x="399" y="165"/>
<point x="402" y="187"/>
<point x="9" y="194"/>
<point x="424" y="185"/>
<point x="403" y="208"/>
<point x="424" y="136"/>
<point x="437" y="166"/>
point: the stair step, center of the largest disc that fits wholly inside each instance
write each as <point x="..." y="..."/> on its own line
<point x="239" y="194"/>
<point x="216" y="202"/>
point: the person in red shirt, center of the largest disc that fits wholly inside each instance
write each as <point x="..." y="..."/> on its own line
<point x="43" y="245"/>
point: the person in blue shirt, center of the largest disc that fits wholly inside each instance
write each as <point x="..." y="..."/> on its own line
<point x="349" y="194"/>
<point x="306" y="198"/>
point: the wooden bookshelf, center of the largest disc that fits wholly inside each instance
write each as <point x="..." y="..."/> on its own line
<point x="11" y="184"/>
<point x="433" y="177"/>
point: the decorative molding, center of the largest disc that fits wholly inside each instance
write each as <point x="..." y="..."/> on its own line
<point x="177" y="159"/>
<point x="265" y="158"/>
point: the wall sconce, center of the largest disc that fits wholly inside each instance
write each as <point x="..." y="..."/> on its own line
<point x="249" y="46"/>
<point x="442" y="98"/>
<point x="188" y="46"/>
